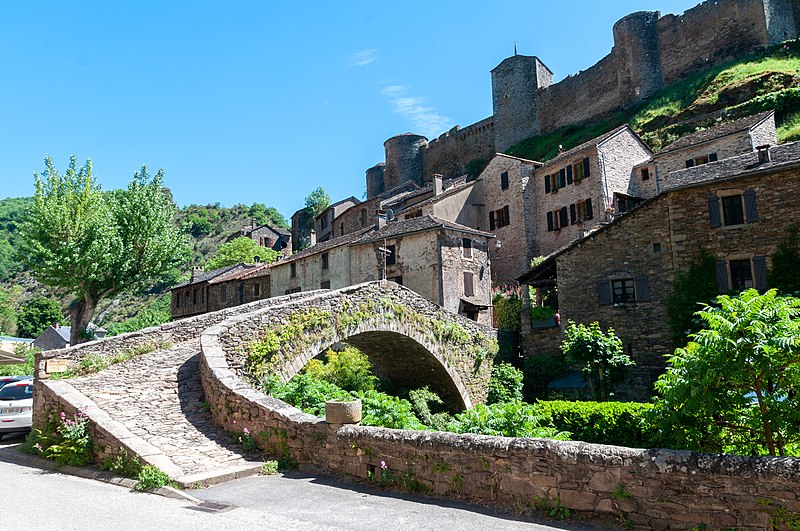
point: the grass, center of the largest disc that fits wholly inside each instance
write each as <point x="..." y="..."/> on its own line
<point x="766" y="80"/>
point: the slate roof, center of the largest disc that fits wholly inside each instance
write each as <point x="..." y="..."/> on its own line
<point x="324" y="246"/>
<point x="713" y="133"/>
<point x="244" y="271"/>
<point x="596" y="141"/>
<point x="730" y="168"/>
<point x="408" y="226"/>
<point x="207" y="275"/>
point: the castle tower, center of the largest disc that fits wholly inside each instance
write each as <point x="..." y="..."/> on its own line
<point x="403" y="160"/>
<point x="375" y="180"/>
<point x="636" y="39"/>
<point x="515" y="83"/>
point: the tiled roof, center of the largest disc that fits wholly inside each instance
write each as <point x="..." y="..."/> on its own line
<point x="780" y="155"/>
<point x="398" y="228"/>
<point x="324" y="246"/>
<point x="712" y="133"/>
<point x="596" y="141"/>
<point x="245" y="271"/>
<point x="207" y="275"/>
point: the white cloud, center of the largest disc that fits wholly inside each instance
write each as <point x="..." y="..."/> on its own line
<point x="363" y="58"/>
<point x="426" y="120"/>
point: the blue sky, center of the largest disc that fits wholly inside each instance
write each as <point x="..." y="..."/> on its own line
<point x="244" y="102"/>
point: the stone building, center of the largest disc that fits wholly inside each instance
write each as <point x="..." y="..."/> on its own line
<point x="720" y="142"/>
<point x="276" y="238"/>
<point x="221" y="288"/>
<point x="584" y="186"/>
<point x="737" y="209"/>
<point x="324" y="222"/>
<point x="444" y="262"/>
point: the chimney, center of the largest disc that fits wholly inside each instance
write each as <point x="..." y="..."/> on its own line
<point x="763" y="153"/>
<point x="380" y="219"/>
<point x="196" y="271"/>
<point x="437" y="183"/>
<point x="254" y="224"/>
<point x="312" y="238"/>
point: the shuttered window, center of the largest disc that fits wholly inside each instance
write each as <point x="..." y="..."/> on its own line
<point x="562" y="215"/>
<point x="689" y="163"/>
<point x="573" y="217"/>
<point x="586" y="167"/>
<point x="550" y="226"/>
<point x="713" y="211"/>
<point x="750" y="211"/>
<point x="469" y="287"/>
<point x="732" y="210"/>
<point x="504" y="180"/>
<point x="721" y="270"/>
<point x="569" y="174"/>
<point x="712" y="157"/>
<point x="642" y="285"/>
<point x="604" y="291"/>
<point x="491" y="220"/>
<point x="562" y="178"/>
<point x="760" y="272"/>
<point x="589" y="214"/>
<point x="223" y="293"/>
<point x="547" y="184"/>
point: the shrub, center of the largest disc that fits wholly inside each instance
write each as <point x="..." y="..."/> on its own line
<point x="505" y="384"/>
<point x="380" y="409"/>
<point x="510" y="419"/>
<point x="122" y="464"/>
<point x="617" y="423"/>
<point x="539" y="371"/>
<point x="305" y="392"/>
<point x="66" y="441"/>
<point x="349" y="369"/>
<point x="785" y="271"/>
<point x="151" y="478"/>
<point x="269" y="468"/>
<point x="421" y="400"/>
<point x="507" y="302"/>
<point x="599" y="354"/>
<point x="542" y="313"/>
<point x="691" y="290"/>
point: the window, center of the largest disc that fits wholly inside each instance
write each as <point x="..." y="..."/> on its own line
<point x="323" y="221"/>
<point x="469" y="286"/>
<point x="223" y="292"/>
<point x="363" y="216"/>
<point x="504" y="180"/>
<point x="645" y="174"/>
<point x="581" y="170"/>
<point x="584" y="210"/>
<point x="703" y="159"/>
<point x="292" y="270"/>
<point x="417" y="214"/>
<point x="741" y="275"/>
<point x="293" y="290"/>
<point x="499" y="218"/>
<point x="656" y="247"/>
<point x="623" y="290"/>
<point x="341" y="229"/>
<point x="194" y="296"/>
<point x="256" y="289"/>
<point x="326" y="284"/>
<point x="562" y="178"/>
<point x="736" y="209"/>
<point x="626" y="203"/>
<point x="178" y="300"/>
<point x="324" y="260"/>
<point x="391" y="255"/>
<point x="397" y="280"/>
<point x="557" y="219"/>
<point x="466" y="248"/>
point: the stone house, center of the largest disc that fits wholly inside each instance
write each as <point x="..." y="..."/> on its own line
<point x="324" y="222"/>
<point x="361" y="216"/>
<point x="444" y="262"/>
<point x="56" y="336"/>
<point x="276" y="238"/>
<point x="222" y="288"/>
<point x="584" y="186"/>
<point x="723" y="141"/>
<point x="737" y="209"/>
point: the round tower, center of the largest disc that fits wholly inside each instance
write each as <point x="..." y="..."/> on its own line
<point x="636" y="47"/>
<point x="403" y="159"/>
<point x="375" y="182"/>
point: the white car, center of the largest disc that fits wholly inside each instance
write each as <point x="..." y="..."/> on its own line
<point x="16" y="407"/>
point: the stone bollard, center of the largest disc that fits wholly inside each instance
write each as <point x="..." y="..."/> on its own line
<point x="340" y="412"/>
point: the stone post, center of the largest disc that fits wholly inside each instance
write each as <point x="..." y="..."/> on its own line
<point x="339" y="412"/>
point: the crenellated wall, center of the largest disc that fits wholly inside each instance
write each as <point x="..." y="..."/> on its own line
<point x="451" y="152"/>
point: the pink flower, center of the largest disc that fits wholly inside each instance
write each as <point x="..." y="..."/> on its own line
<point x="383" y="465"/>
<point x="245" y="431"/>
<point x="234" y="422"/>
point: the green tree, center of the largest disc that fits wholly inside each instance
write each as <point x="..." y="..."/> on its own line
<point x="238" y="251"/>
<point x="690" y="291"/>
<point x="599" y="354"/>
<point x="8" y="318"/>
<point x="317" y="201"/>
<point x="505" y="385"/>
<point x="349" y="369"/>
<point x="785" y="271"/>
<point x="736" y="386"/>
<point x="35" y="315"/>
<point x="95" y="244"/>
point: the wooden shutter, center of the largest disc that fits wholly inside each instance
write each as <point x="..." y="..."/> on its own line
<point x="563" y="217"/>
<point x="586" y="167"/>
<point x="642" y="287"/>
<point x="573" y="218"/>
<point x="506" y="216"/>
<point x="549" y="221"/>
<point x="750" y="210"/>
<point x="588" y="208"/>
<point x="713" y="211"/>
<point x="562" y="178"/>
<point x="712" y="157"/>
<point x="721" y="268"/>
<point x="504" y="180"/>
<point x="760" y="272"/>
<point x="689" y="163"/>
<point x="569" y="174"/>
<point x="491" y="220"/>
<point x="469" y="290"/>
<point x="547" y="184"/>
<point x="604" y="292"/>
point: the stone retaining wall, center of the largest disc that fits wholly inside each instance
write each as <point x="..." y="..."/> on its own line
<point x="644" y="489"/>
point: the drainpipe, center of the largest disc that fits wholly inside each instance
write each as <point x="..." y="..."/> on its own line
<point x="439" y="267"/>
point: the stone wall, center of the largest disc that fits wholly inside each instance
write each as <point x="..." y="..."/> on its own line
<point x="451" y="152"/>
<point x="645" y="489"/>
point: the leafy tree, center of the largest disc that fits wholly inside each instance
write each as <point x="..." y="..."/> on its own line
<point x="785" y="271"/>
<point x="35" y="315"/>
<point x="349" y="369"/>
<point x="268" y="215"/>
<point x="95" y="244"/>
<point x="691" y="290"/>
<point x="238" y="251"/>
<point x="599" y="354"/>
<point x="505" y="385"/>
<point x="736" y="386"/>
<point x="316" y="202"/>
<point x="155" y="313"/>
<point x="510" y="419"/>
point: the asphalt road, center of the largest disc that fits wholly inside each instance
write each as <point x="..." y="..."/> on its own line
<point x="43" y="500"/>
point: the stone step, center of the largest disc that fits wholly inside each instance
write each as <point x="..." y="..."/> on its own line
<point x="214" y="477"/>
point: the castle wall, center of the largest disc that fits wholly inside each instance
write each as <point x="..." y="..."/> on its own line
<point x="451" y="152"/>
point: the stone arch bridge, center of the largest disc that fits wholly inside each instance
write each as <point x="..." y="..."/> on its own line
<point x="151" y="397"/>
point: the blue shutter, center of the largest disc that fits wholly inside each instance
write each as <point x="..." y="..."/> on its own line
<point x="586" y="167"/>
<point x="750" y="210"/>
<point x="721" y="268"/>
<point x="689" y="163"/>
<point x="712" y="157"/>
<point x="642" y="287"/>
<point x="573" y="218"/>
<point x="760" y="272"/>
<point x="604" y="291"/>
<point x="491" y="220"/>
<point x="549" y="221"/>
<point x="562" y="178"/>
<point x="547" y="184"/>
<point x="569" y="174"/>
<point x="588" y="208"/>
<point x="713" y="211"/>
<point x="563" y="222"/>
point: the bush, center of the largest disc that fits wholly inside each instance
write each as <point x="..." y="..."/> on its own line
<point x="349" y="369"/>
<point x="617" y="423"/>
<point x="505" y="384"/>
<point x="380" y="409"/>
<point x="305" y="392"/>
<point x="507" y="302"/>
<point x="151" y="478"/>
<point x="599" y="354"/>
<point x="539" y="371"/>
<point x="66" y="441"/>
<point x="690" y="291"/>
<point x="511" y="419"/>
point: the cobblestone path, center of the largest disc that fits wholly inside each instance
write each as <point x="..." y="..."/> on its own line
<point x="159" y="397"/>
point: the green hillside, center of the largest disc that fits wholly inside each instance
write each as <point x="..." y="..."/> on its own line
<point x="760" y="82"/>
